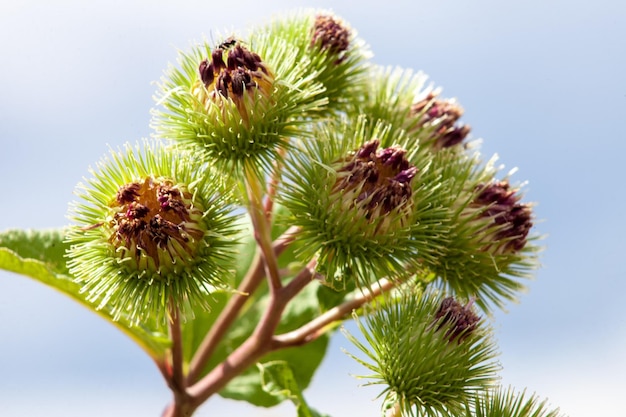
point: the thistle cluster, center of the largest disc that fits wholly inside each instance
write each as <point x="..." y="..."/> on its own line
<point x="370" y="168"/>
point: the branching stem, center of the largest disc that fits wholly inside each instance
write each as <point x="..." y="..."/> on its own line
<point x="174" y="372"/>
<point x="256" y="346"/>
<point x="262" y="229"/>
<point x="272" y="187"/>
<point x="313" y="329"/>
<point x="228" y="315"/>
<point x="230" y="312"/>
<point x="178" y="380"/>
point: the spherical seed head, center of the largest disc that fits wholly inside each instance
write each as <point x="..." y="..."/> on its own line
<point x="150" y="233"/>
<point x="425" y="368"/>
<point x="510" y="219"/>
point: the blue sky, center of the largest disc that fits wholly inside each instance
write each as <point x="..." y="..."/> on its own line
<point x="541" y="82"/>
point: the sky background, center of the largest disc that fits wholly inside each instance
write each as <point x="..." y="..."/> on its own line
<point x="542" y="82"/>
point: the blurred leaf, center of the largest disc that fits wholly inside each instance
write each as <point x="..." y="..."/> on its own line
<point x="40" y="255"/>
<point x="331" y="297"/>
<point x="46" y="246"/>
<point x="277" y="379"/>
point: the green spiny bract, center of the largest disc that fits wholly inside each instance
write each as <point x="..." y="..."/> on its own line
<point x="330" y="50"/>
<point x="360" y="210"/>
<point x="430" y="362"/>
<point x="501" y="402"/>
<point x="151" y="231"/>
<point x="237" y="105"/>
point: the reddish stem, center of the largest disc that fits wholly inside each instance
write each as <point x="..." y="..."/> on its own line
<point x="249" y="284"/>
<point x="313" y="329"/>
<point x="256" y="346"/>
<point x="174" y="375"/>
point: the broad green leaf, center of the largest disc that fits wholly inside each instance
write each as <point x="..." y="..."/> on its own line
<point x="46" y="246"/>
<point x="40" y="256"/>
<point x="277" y="379"/>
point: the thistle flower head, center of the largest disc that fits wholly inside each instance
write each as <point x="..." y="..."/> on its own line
<point x="355" y="197"/>
<point x="149" y="232"/>
<point x="232" y="74"/>
<point x="412" y="348"/>
<point x="376" y="182"/>
<point x="155" y="224"/>
<point x="510" y="219"/>
<point x="330" y="34"/>
<point x="237" y="104"/>
<point x="488" y="251"/>
<point x="331" y="52"/>
<point x="388" y="94"/>
<point x="440" y="117"/>
<point x="461" y="320"/>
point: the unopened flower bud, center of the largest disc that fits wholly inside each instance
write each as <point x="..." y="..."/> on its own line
<point x="461" y="320"/>
<point x="512" y="219"/>
<point x="376" y="181"/>
<point x="424" y="374"/>
<point x="330" y="34"/>
<point x="442" y="117"/>
<point x="233" y="73"/>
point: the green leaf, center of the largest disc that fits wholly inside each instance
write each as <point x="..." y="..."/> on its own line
<point x="39" y="254"/>
<point x="277" y="379"/>
<point x="45" y="246"/>
<point x="330" y="297"/>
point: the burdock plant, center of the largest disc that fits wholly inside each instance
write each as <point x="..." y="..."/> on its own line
<point x="291" y="184"/>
